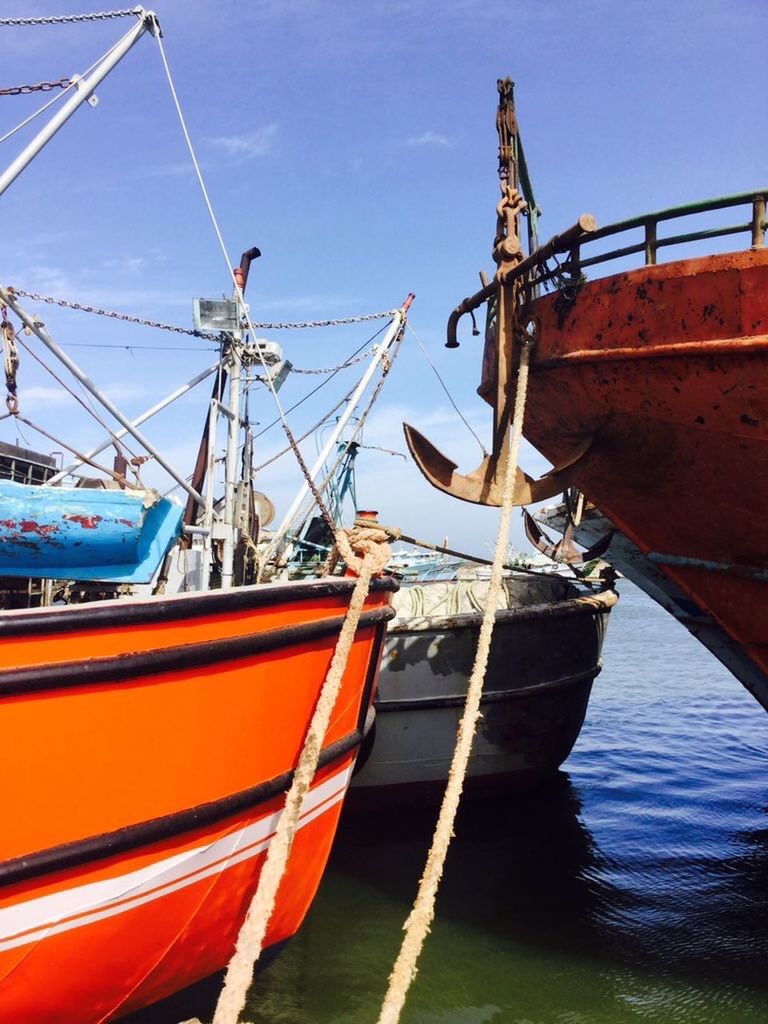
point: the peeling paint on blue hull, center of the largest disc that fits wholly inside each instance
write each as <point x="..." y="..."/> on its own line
<point x="83" y="534"/>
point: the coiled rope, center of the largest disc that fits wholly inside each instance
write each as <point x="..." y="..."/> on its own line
<point x="419" y="920"/>
<point x="365" y="551"/>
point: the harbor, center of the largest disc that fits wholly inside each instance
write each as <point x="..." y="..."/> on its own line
<point x="629" y="890"/>
<point x="369" y="652"/>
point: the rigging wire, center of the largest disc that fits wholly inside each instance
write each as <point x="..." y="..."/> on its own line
<point x="78" y="455"/>
<point x="302" y="516"/>
<point x="130" y="348"/>
<point x="58" y="96"/>
<point x="239" y="292"/>
<point x="306" y="434"/>
<point x="314" y="390"/>
<point x="303" y="370"/>
<point x="84" y="402"/>
<point x="290" y="409"/>
<point x="444" y="386"/>
<point x="40" y="110"/>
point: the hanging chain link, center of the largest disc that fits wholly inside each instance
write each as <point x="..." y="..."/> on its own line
<point x="320" y="370"/>
<point x="128" y="318"/>
<point x="386" y="314"/>
<point x="25" y="90"/>
<point x="340" y="366"/>
<point x="339" y="322"/>
<point x="65" y="19"/>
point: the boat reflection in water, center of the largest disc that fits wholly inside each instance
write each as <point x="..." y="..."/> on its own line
<point x="632" y="888"/>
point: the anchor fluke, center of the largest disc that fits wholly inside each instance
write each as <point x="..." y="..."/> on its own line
<point x="483" y="486"/>
<point x="563" y="550"/>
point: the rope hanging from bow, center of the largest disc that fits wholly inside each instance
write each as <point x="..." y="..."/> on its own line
<point x="10" y="361"/>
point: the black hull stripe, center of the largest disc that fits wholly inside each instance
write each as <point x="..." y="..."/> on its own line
<point x="122" y="667"/>
<point x="131" y="612"/>
<point x="169" y="826"/>
<point x="492" y="697"/>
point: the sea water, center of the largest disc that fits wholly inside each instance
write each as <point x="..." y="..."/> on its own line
<point x="634" y="888"/>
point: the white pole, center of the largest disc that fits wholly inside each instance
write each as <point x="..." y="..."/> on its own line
<point x="38" y="327"/>
<point x="135" y="423"/>
<point x="210" y="484"/>
<point x="379" y="353"/>
<point x="230" y="475"/>
<point x="84" y="89"/>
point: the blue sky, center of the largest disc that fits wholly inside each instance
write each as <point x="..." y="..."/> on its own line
<point x="355" y="145"/>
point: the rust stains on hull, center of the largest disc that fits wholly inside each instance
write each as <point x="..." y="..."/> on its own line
<point x="666" y="368"/>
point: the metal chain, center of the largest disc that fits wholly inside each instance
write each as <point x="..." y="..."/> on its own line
<point x="127" y="317"/>
<point x="340" y="366"/>
<point x="64" y="19"/>
<point x="24" y="90"/>
<point x="386" y="314"/>
<point x="319" y="370"/>
<point x="338" y="322"/>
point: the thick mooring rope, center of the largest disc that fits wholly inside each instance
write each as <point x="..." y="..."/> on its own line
<point x="369" y="542"/>
<point x="418" y="923"/>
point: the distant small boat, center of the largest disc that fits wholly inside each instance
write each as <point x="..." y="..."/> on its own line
<point x="545" y="655"/>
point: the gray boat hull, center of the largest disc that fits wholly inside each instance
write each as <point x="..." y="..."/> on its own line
<point x="543" y="660"/>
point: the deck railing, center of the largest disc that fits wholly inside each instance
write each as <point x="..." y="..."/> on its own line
<point x="536" y="270"/>
<point x="756" y="227"/>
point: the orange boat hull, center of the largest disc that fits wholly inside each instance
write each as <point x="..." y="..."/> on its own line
<point x="150" y="744"/>
<point x="665" y="369"/>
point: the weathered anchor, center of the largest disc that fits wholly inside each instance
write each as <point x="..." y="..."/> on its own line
<point x="506" y="324"/>
<point x="483" y="485"/>
<point x="564" y="550"/>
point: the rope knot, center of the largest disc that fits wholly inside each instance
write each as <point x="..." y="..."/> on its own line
<point x="363" y="548"/>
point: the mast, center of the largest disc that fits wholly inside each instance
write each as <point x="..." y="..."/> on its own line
<point x="232" y="413"/>
<point x="228" y="528"/>
<point x="397" y="324"/>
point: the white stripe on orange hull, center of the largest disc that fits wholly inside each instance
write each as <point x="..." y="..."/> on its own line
<point x="48" y="915"/>
<point x="86" y="953"/>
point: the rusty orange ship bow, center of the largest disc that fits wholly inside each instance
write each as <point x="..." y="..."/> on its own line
<point x="665" y="368"/>
<point x="648" y="390"/>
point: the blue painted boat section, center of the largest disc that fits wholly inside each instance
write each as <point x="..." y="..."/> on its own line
<point x="82" y="534"/>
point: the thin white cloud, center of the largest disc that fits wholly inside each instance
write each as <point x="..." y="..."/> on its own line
<point x="249" y="145"/>
<point x="56" y="282"/>
<point x="40" y="396"/>
<point x="430" y="138"/>
<point x="127" y="264"/>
